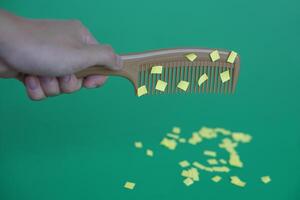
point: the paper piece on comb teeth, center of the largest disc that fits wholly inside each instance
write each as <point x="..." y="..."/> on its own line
<point x="231" y="57"/>
<point x="221" y="169"/>
<point x="222" y="161"/>
<point x="241" y="137"/>
<point x="212" y="161"/>
<point x="161" y="85"/>
<point x="237" y="181"/>
<point x="173" y="136"/>
<point x="184" y="163"/>
<point x="191" y="56"/>
<point x="169" y="143"/>
<point x="129" y="185"/>
<point x="142" y="91"/>
<point x="138" y="145"/>
<point x="214" y="55"/>
<point x="234" y="160"/>
<point x="202" y="79"/>
<point x="225" y="76"/>
<point x="188" y="181"/>
<point x="222" y="131"/>
<point x="156" y="69"/>
<point x="210" y="153"/>
<point x="216" y="179"/>
<point x="183" y="85"/>
<point x="176" y="130"/>
<point x="265" y="179"/>
<point x="149" y="153"/>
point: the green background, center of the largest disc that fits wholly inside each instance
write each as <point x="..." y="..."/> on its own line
<point x="80" y="146"/>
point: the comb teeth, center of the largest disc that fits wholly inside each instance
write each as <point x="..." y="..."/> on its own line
<point x="174" y="72"/>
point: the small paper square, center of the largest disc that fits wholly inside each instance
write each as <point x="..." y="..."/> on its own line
<point x="202" y="79"/>
<point x="142" y="91"/>
<point x="214" y="55"/>
<point x="161" y="85"/>
<point x="225" y="76"/>
<point x="183" y="85"/>
<point x="191" y="56"/>
<point x="156" y="69"/>
<point x="129" y="185"/>
<point x="231" y="57"/>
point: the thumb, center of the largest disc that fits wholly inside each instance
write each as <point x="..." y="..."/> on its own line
<point x="100" y="55"/>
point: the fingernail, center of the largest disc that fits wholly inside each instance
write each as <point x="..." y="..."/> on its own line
<point x="67" y="78"/>
<point x="32" y="83"/>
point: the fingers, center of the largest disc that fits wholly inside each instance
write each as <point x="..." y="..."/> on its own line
<point x="50" y="86"/>
<point x="99" y="55"/>
<point x="33" y="88"/>
<point x="69" y="83"/>
<point x="94" y="81"/>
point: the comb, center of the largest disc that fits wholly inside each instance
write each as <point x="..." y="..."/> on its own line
<point x="176" y="67"/>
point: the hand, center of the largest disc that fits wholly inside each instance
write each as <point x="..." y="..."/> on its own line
<point x="49" y="53"/>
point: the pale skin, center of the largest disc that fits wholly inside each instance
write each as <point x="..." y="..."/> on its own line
<point x="49" y="52"/>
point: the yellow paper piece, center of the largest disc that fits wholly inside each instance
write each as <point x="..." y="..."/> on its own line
<point x="212" y="161"/>
<point x="228" y="145"/>
<point x="161" y="85"/>
<point x="241" y="137"/>
<point x="156" y="69"/>
<point x="214" y="55"/>
<point x="169" y="143"/>
<point x="182" y="140"/>
<point x="222" y="131"/>
<point x="191" y="56"/>
<point x="225" y="76"/>
<point x="188" y="181"/>
<point x="202" y="167"/>
<point x="149" y="153"/>
<point x="176" y="130"/>
<point x="234" y="160"/>
<point x="266" y="179"/>
<point x="202" y="79"/>
<point x="237" y="181"/>
<point x="231" y="57"/>
<point x="210" y="153"/>
<point x="222" y="161"/>
<point x="195" y="139"/>
<point x="183" y="85"/>
<point x="138" y="145"/>
<point x="184" y="163"/>
<point x="129" y="185"/>
<point x="142" y="91"/>
<point x="221" y="169"/>
<point x="207" y="133"/>
<point x="173" y="136"/>
<point x="216" y="179"/>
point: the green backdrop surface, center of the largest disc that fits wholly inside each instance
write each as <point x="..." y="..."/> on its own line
<point x="80" y="146"/>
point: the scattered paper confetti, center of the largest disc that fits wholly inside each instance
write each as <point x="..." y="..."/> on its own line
<point x="214" y="55"/>
<point x="149" y="153"/>
<point x="138" y="145"/>
<point x="207" y="133"/>
<point x="156" y="69"/>
<point x="161" y="85"/>
<point x="142" y="91"/>
<point x="266" y="179"/>
<point x="222" y="161"/>
<point x="176" y="130"/>
<point x="210" y="153"/>
<point x="202" y="79"/>
<point x="222" y="131"/>
<point x="188" y="181"/>
<point x="184" y="163"/>
<point x="234" y="160"/>
<point x="191" y="56"/>
<point x="169" y="143"/>
<point x="241" y="137"/>
<point x="129" y="185"/>
<point x="225" y="76"/>
<point x="231" y="57"/>
<point x="183" y="85"/>
<point x="221" y="169"/>
<point x="237" y="181"/>
<point x="173" y="136"/>
<point x="195" y="139"/>
<point x="212" y="161"/>
<point x="216" y="179"/>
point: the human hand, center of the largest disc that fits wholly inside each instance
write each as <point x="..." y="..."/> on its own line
<point x="49" y="52"/>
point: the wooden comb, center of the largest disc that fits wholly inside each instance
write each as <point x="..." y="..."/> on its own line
<point x="176" y="67"/>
